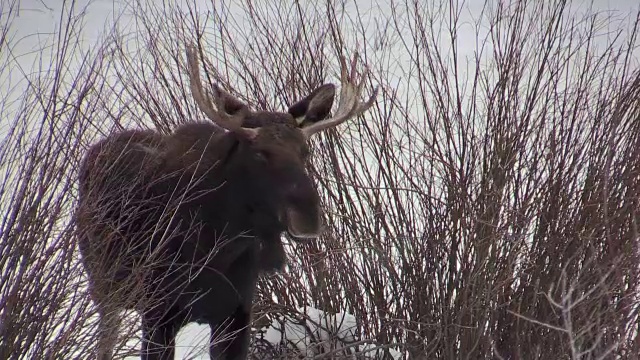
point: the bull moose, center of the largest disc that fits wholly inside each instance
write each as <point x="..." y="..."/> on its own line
<point x="179" y="226"/>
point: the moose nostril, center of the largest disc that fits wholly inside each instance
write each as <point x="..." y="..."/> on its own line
<point x="302" y="225"/>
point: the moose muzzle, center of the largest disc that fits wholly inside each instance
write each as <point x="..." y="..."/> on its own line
<point x="303" y="215"/>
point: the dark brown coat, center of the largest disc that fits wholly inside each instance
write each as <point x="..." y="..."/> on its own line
<point x="179" y="226"/>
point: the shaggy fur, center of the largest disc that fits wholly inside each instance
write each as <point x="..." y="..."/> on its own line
<point x="179" y="226"/>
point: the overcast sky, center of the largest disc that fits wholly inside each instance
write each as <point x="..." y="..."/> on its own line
<point x="37" y="19"/>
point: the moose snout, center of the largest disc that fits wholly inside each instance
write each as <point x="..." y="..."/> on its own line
<point x="301" y="226"/>
<point x="303" y="214"/>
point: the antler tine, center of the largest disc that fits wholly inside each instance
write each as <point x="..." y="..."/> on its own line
<point x="349" y="106"/>
<point x="205" y="102"/>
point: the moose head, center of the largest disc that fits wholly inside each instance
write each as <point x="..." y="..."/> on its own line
<point x="276" y="143"/>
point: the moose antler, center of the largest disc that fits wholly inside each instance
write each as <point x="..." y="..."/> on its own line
<point x="206" y="102"/>
<point x="349" y="106"/>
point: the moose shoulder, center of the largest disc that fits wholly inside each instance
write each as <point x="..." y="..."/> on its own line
<point x="178" y="226"/>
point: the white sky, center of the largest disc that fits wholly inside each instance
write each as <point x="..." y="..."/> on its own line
<point x="37" y="20"/>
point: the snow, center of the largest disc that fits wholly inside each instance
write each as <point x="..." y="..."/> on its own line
<point x="313" y="332"/>
<point x="308" y="332"/>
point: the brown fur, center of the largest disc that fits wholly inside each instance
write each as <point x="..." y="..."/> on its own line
<point x="179" y="226"/>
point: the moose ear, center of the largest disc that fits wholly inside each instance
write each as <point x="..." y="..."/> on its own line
<point x="230" y="104"/>
<point x="315" y="107"/>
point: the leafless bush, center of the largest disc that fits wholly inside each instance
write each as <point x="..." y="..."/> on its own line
<point x="487" y="206"/>
<point x="44" y="312"/>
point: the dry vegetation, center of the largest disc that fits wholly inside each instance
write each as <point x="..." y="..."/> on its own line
<point x="485" y="208"/>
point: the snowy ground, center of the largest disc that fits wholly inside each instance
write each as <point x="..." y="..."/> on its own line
<point x="309" y="333"/>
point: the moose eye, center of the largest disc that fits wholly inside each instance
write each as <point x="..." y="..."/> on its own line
<point x="263" y="155"/>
